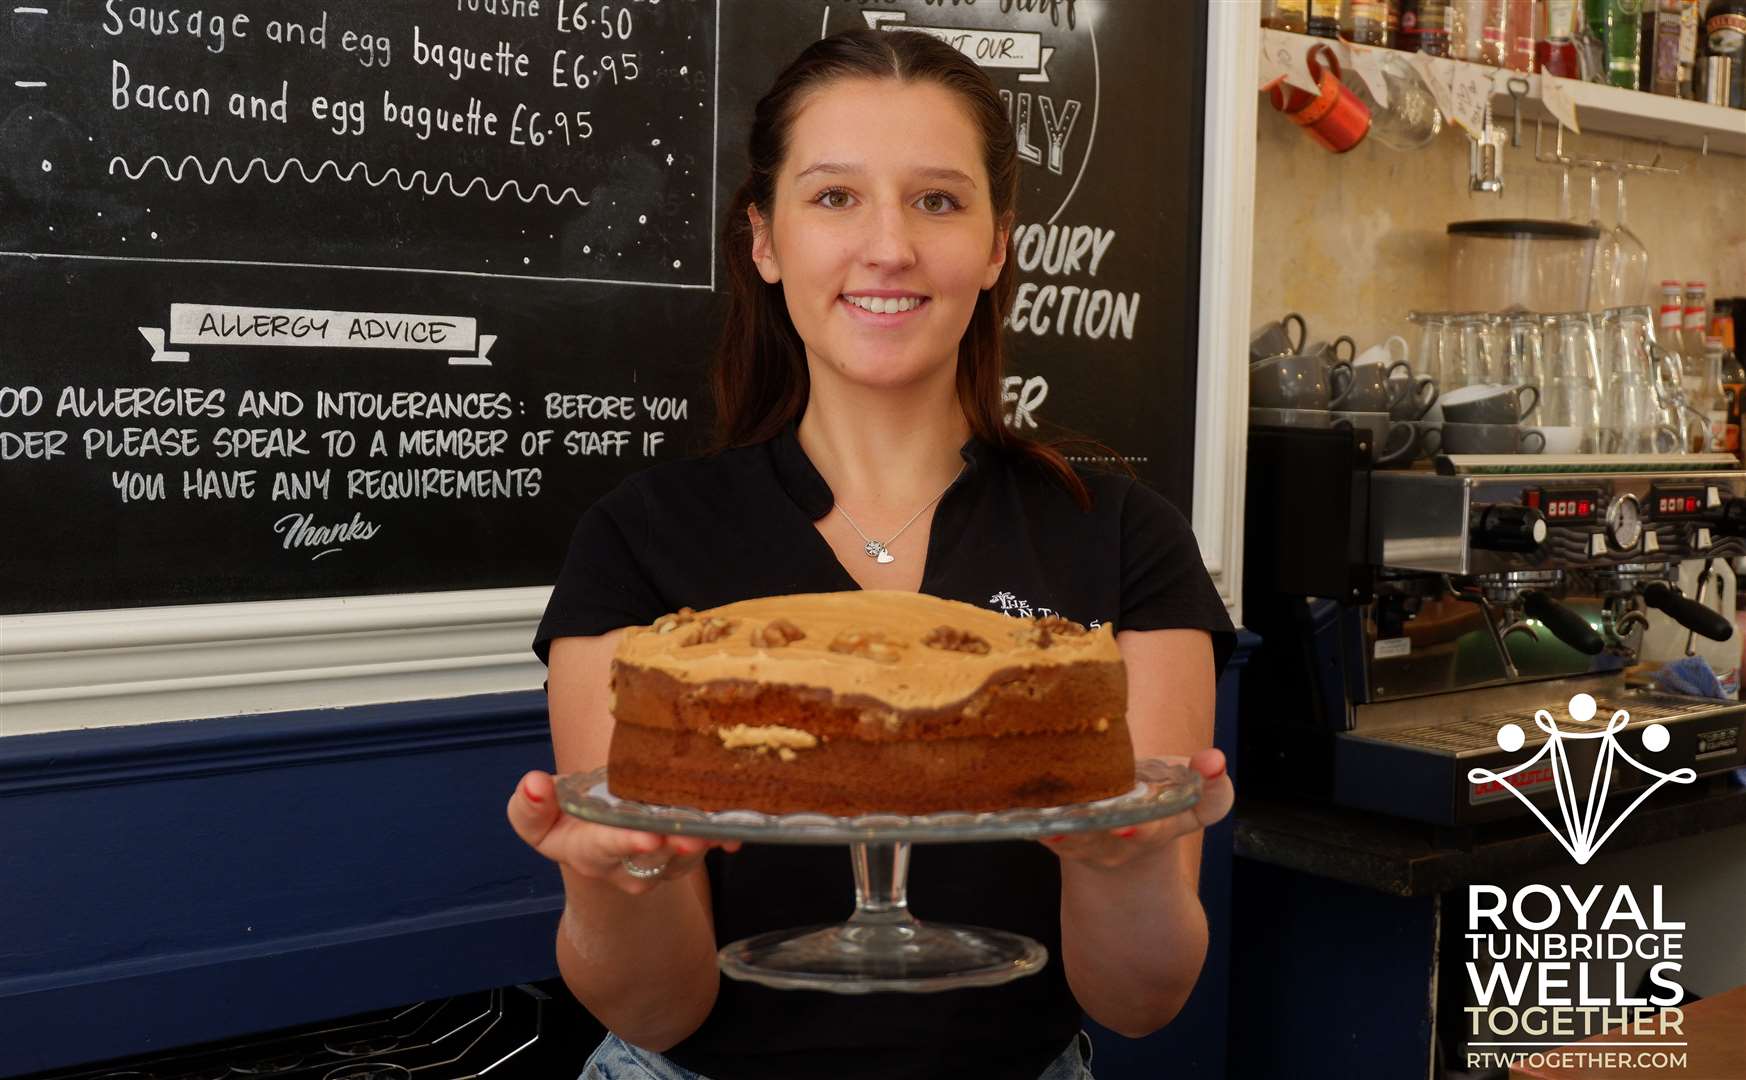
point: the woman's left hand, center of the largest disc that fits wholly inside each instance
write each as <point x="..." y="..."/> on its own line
<point x="1108" y="849"/>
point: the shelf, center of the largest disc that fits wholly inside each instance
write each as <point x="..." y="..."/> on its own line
<point x="1612" y="110"/>
<point x="1598" y="109"/>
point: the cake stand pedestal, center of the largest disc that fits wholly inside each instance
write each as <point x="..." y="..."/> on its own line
<point x="882" y="946"/>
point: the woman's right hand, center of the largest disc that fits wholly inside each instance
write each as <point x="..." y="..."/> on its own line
<point x="598" y="851"/>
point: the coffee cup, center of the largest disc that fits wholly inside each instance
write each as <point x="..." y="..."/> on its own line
<point x="1275" y="340"/>
<point x="1492" y="439"/>
<point x="1489" y="403"/>
<point x="1562" y="440"/>
<point x="1391" y="350"/>
<point x="1302" y="418"/>
<point x="1391" y="441"/>
<point x="1331" y="350"/>
<point x="1415" y="397"/>
<point x="1296" y="382"/>
<point x="1372" y="389"/>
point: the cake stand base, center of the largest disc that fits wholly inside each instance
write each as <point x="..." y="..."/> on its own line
<point x="882" y="946"/>
<point x="855" y="958"/>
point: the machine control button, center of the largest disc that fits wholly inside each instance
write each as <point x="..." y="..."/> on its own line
<point x="1651" y="542"/>
<point x="1597" y="545"/>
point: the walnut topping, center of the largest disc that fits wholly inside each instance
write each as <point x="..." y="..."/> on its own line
<point x="871" y="644"/>
<point x="1102" y="724"/>
<point x="776" y="633"/>
<point x="786" y="754"/>
<point x="954" y="640"/>
<point x="666" y="624"/>
<point x="710" y="629"/>
<point x="1042" y="631"/>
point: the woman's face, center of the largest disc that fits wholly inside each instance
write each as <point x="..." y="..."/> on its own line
<point x="883" y="195"/>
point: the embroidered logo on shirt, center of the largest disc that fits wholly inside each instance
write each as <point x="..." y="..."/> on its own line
<point x="1022" y="609"/>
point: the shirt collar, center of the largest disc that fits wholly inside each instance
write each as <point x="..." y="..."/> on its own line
<point x="801" y="479"/>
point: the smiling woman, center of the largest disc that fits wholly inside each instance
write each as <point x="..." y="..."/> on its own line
<point x="861" y="445"/>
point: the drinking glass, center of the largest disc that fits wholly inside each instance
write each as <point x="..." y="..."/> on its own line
<point x="1603" y="281"/>
<point x="1519" y="348"/>
<point x="1630" y="258"/>
<point x="1470" y="340"/>
<point x="1429" y="351"/>
<point x="1570" y="393"/>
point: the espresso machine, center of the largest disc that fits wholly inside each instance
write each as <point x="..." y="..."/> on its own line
<point x="1408" y="615"/>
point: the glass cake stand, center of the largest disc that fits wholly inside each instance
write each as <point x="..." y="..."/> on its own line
<point x="882" y="947"/>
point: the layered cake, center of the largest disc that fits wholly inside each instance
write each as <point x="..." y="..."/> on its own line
<point x="867" y="701"/>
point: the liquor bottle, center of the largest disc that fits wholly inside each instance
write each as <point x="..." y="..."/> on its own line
<point x="1725" y="31"/>
<point x="1466" y="25"/>
<point x="1624" y="42"/>
<point x="1689" y="16"/>
<point x="1663" y="30"/>
<point x="1591" y="40"/>
<point x="1292" y="15"/>
<point x="1555" y="50"/>
<point x="1324" y="18"/>
<point x="1422" y="26"/>
<point x="1364" y="22"/>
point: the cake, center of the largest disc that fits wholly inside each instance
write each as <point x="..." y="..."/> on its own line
<point x="867" y="701"/>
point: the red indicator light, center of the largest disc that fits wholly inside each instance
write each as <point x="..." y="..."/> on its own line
<point x="1583" y="507"/>
<point x="1690" y="505"/>
<point x="1532" y="499"/>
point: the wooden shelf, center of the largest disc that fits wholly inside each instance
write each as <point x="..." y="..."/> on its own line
<point x="1600" y="109"/>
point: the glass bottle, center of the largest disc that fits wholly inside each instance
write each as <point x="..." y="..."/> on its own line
<point x="1670" y="327"/>
<point x="1555" y="47"/>
<point x="1624" y="40"/>
<point x="1591" y="40"/>
<point x="1716" y="397"/>
<point x="1364" y="22"/>
<point x="1696" y="324"/>
<point x="1290" y="15"/>
<point x="1324" y="18"/>
<point x="1661" y="41"/>
<point x="1521" y="26"/>
<point x="1422" y="26"/>
<point x="1466" y="29"/>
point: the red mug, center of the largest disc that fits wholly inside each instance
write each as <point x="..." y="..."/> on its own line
<point x="1333" y="116"/>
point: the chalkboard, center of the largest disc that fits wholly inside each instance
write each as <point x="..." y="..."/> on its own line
<point x="323" y="300"/>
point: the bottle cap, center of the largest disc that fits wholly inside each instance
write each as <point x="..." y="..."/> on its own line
<point x="1669" y="283"/>
<point x="1694" y="284"/>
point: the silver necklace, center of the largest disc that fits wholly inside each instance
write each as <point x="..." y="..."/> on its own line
<point x="879" y="551"/>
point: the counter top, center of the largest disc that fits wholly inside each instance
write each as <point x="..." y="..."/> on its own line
<point x="1409" y="858"/>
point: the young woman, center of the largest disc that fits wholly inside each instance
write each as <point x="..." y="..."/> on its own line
<point x="858" y="387"/>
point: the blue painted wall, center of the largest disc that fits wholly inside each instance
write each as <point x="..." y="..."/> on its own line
<point x="175" y="883"/>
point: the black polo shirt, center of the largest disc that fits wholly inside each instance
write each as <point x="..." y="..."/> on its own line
<point x="735" y="525"/>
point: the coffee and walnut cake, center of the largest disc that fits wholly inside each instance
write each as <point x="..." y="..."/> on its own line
<point x="866" y="701"/>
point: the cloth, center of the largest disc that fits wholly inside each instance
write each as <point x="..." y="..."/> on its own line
<point x="615" y="1059"/>
<point x="739" y="524"/>
<point x="1693" y="675"/>
<point x="1689" y="675"/>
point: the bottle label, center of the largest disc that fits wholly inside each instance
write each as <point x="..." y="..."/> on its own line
<point x="1694" y="319"/>
<point x="1560" y="19"/>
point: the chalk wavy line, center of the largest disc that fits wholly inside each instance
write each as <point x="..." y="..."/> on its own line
<point x="431" y="185"/>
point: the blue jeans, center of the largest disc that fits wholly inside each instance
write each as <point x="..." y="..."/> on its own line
<point x="615" y="1059"/>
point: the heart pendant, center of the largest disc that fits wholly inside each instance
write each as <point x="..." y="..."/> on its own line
<point x="885" y="556"/>
<point x="876" y="550"/>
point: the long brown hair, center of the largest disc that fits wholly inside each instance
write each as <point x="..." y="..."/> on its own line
<point x="760" y="379"/>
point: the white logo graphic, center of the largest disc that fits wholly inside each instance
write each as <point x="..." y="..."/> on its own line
<point x="1581" y="823"/>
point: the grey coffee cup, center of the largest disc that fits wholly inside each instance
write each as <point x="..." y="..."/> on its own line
<point x="1417" y="395"/>
<point x="1490" y="403"/>
<point x="1275" y="340"/>
<point x="1391" y="441"/>
<point x="1295" y="382"/>
<point x="1492" y="439"/>
<point x="1304" y="418"/>
<point x="1373" y="390"/>
<point x="1331" y="349"/>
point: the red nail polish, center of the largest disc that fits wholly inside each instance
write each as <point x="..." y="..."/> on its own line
<point x="1053" y="839"/>
<point x="1127" y="833"/>
<point x="531" y="797"/>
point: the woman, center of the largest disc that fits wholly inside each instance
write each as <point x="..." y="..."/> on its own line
<point x="882" y="175"/>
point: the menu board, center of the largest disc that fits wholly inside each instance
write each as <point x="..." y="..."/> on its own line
<point x="324" y="300"/>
